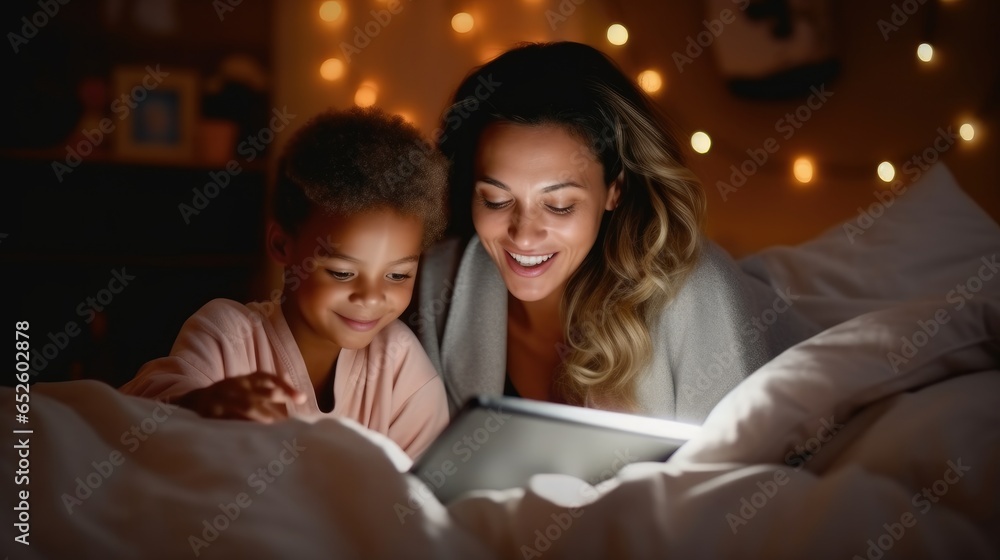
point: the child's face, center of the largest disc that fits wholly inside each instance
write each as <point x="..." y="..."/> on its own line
<point x="348" y="277"/>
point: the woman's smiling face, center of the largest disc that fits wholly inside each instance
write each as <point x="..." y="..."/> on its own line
<point x="538" y="203"/>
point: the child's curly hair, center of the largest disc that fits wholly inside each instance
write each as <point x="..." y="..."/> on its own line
<point x="356" y="160"/>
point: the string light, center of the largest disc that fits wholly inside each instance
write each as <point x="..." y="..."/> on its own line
<point x="366" y="95"/>
<point x="701" y="142"/>
<point x="967" y="132"/>
<point x="330" y="11"/>
<point x="886" y="171"/>
<point x="925" y="52"/>
<point x="617" y="34"/>
<point x="332" y="69"/>
<point x="650" y="81"/>
<point x="803" y="170"/>
<point x="489" y="52"/>
<point x="462" y="22"/>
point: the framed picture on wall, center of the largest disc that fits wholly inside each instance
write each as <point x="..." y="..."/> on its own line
<point x="155" y="112"/>
<point x="775" y="49"/>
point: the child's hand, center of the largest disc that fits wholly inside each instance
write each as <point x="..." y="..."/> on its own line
<point x="258" y="396"/>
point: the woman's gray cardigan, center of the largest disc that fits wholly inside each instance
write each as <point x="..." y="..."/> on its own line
<point x="721" y="326"/>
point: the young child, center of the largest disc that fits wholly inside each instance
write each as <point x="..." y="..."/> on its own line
<point x="359" y="195"/>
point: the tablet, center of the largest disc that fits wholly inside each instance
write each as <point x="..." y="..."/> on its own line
<point x="495" y="443"/>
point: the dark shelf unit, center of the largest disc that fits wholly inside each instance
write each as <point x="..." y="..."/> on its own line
<point x="63" y="244"/>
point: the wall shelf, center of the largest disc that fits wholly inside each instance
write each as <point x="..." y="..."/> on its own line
<point x="105" y="157"/>
<point x="65" y="236"/>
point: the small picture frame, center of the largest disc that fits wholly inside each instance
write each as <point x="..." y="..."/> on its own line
<point x="155" y="112"/>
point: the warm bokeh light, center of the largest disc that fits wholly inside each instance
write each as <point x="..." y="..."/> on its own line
<point x="332" y="69"/>
<point x="925" y="52"/>
<point x="489" y="52"/>
<point x="366" y="95"/>
<point x="462" y="22"/>
<point x="406" y="116"/>
<point x="886" y="171"/>
<point x="967" y="132"/>
<point x="330" y="11"/>
<point x="803" y="170"/>
<point x="701" y="142"/>
<point x="617" y="34"/>
<point x="650" y="81"/>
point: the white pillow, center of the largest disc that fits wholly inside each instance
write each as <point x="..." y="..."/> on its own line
<point x="916" y="242"/>
<point x="823" y="381"/>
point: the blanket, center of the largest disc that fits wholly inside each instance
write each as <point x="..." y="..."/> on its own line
<point x="877" y="438"/>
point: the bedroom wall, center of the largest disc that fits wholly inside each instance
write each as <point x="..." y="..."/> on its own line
<point x="886" y="105"/>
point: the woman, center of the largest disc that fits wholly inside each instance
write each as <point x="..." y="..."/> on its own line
<point x="576" y="271"/>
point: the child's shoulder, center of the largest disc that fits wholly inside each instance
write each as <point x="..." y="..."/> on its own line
<point x="227" y="315"/>
<point x="223" y="307"/>
<point x="398" y="341"/>
<point x="399" y="350"/>
<point x="396" y="332"/>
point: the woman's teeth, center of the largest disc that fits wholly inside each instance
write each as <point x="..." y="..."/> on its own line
<point x="530" y="261"/>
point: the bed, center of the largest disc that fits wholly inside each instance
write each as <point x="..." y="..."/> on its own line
<point x="877" y="438"/>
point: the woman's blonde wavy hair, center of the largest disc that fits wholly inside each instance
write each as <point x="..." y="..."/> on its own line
<point x="645" y="248"/>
